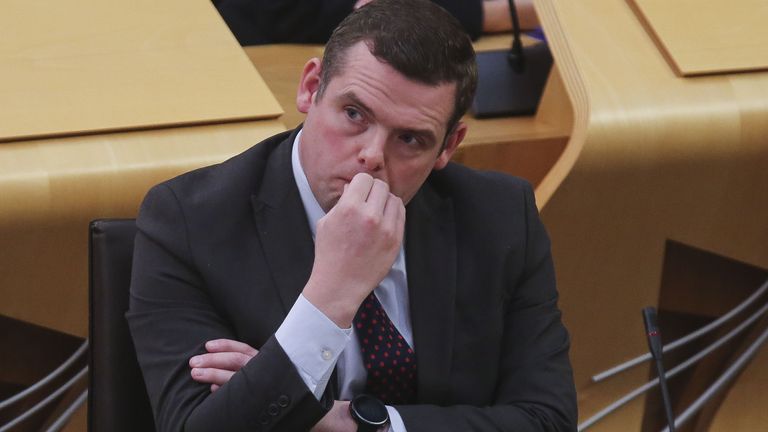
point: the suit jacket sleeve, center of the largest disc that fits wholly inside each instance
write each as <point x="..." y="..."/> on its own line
<point x="172" y="315"/>
<point x="311" y="21"/>
<point x="535" y="389"/>
<point x="279" y="21"/>
<point x="468" y="12"/>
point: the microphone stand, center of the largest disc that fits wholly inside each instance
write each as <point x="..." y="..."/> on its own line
<point x="655" y="346"/>
<point x="511" y="82"/>
<point x="516" y="55"/>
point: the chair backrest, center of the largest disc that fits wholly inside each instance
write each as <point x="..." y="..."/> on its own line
<point x="117" y="398"/>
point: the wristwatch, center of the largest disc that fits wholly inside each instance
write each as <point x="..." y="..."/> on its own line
<point x="369" y="413"/>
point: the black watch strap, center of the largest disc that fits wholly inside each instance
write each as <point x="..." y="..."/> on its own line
<point x="362" y="427"/>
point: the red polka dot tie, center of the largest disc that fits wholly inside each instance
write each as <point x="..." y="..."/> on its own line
<point x="387" y="357"/>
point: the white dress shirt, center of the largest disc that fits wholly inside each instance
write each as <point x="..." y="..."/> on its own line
<point x="315" y="344"/>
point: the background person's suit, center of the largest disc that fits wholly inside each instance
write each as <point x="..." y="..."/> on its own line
<point x="255" y="22"/>
<point x="223" y="252"/>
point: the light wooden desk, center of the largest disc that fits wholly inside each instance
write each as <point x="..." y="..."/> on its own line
<point x="101" y="100"/>
<point x="97" y="108"/>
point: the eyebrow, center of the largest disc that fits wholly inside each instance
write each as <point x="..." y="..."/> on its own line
<point x="352" y="97"/>
<point x="349" y="94"/>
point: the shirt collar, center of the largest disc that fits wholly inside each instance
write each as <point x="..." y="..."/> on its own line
<point x="311" y="206"/>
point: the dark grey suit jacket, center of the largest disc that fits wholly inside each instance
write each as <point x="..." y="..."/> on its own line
<point x="224" y="251"/>
<point x="255" y="22"/>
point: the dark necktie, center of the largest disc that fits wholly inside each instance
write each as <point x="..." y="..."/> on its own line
<point x="388" y="359"/>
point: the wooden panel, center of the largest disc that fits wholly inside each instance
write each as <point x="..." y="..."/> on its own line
<point x="52" y="188"/>
<point x="651" y="158"/>
<point x="708" y="36"/>
<point x="744" y="406"/>
<point x="103" y="65"/>
<point x="281" y="66"/>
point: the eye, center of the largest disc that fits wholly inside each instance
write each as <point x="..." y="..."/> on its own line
<point x="353" y="114"/>
<point x="410" y="139"/>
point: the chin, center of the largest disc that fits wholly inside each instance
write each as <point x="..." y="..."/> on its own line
<point x="331" y="203"/>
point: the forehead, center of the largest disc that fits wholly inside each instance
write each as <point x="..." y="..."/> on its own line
<point x="375" y="82"/>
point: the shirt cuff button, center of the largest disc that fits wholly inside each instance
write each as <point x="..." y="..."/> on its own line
<point x="326" y="354"/>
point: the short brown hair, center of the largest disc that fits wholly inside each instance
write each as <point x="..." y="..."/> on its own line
<point x="416" y="37"/>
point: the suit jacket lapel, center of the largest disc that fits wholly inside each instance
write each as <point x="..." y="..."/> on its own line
<point x="282" y="225"/>
<point x="431" y="268"/>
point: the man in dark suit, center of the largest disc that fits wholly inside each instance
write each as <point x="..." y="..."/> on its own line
<point x="351" y="256"/>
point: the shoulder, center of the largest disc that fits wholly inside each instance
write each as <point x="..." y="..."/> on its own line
<point x="464" y="184"/>
<point x="486" y="203"/>
<point x="216" y="191"/>
<point x="239" y="175"/>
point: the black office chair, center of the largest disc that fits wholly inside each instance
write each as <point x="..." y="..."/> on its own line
<point x="117" y="398"/>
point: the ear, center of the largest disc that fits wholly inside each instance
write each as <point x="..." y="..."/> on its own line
<point x="452" y="143"/>
<point x="308" y="85"/>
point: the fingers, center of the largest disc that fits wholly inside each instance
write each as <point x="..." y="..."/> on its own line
<point x="394" y="217"/>
<point x="229" y="345"/>
<point x="224" y="358"/>
<point x="232" y="361"/>
<point x="358" y="189"/>
<point x="364" y="189"/>
<point x="217" y="377"/>
<point x="378" y="196"/>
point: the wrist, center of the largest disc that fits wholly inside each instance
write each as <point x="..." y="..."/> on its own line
<point x="333" y="303"/>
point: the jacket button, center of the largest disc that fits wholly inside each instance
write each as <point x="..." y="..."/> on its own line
<point x="283" y="401"/>
<point x="273" y="409"/>
<point x="264" y="419"/>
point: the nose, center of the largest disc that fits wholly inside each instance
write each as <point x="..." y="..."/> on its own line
<point x="371" y="154"/>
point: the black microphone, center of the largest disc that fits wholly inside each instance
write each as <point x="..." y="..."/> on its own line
<point x="516" y="56"/>
<point x="511" y="81"/>
<point x="654" y="344"/>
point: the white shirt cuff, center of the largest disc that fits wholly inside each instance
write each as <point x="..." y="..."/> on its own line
<point x="395" y="421"/>
<point x="313" y="343"/>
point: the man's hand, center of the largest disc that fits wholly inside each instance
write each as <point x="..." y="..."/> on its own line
<point x="224" y="358"/>
<point x="338" y="419"/>
<point x="355" y="246"/>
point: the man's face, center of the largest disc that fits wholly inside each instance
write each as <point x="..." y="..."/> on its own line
<point x="372" y="119"/>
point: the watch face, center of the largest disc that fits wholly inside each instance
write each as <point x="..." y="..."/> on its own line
<point x="369" y="409"/>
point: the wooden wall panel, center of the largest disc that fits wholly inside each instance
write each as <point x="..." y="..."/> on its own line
<point x="652" y="157"/>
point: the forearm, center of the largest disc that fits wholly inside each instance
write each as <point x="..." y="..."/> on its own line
<point x="520" y="417"/>
<point x="267" y="392"/>
<point x="313" y="343"/>
<point x="167" y="336"/>
<point x="496" y="16"/>
<point x="172" y="315"/>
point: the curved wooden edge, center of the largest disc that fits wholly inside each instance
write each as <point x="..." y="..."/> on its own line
<point x="652" y="159"/>
<point x="577" y="94"/>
